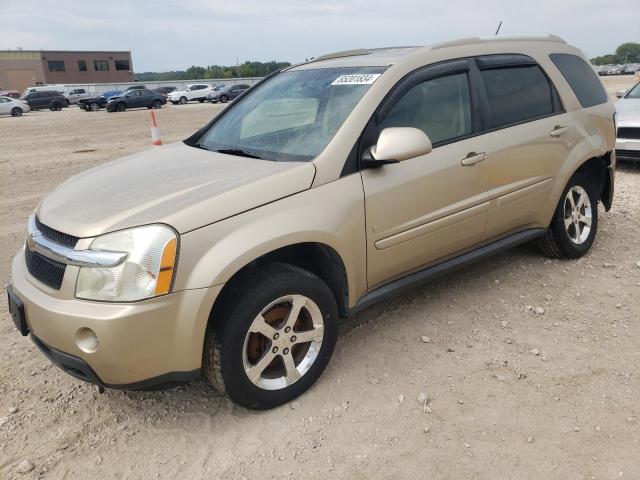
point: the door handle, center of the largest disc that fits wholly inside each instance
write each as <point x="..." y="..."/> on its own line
<point x="472" y="158"/>
<point x="559" y="130"/>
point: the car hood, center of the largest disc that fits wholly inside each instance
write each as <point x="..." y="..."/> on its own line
<point x="628" y="110"/>
<point x="182" y="186"/>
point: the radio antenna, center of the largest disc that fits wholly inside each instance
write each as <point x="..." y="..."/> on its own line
<point x="499" y="25"/>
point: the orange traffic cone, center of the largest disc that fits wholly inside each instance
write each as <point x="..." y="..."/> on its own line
<point x="155" y="131"/>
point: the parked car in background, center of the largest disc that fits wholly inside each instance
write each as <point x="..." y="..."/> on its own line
<point x="44" y="88"/>
<point x="198" y="91"/>
<point x="95" y="103"/>
<point x="135" y="99"/>
<point x="135" y="87"/>
<point x="10" y="93"/>
<point x="50" y="99"/>
<point x="238" y="253"/>
<point x="226" y="93"/>
<point x="164" y="90"/>
<point x="74" y="95"/>
<point x="628" y="124"/>
<point x="13" y="107"/>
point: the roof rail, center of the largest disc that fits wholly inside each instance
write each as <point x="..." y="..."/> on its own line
<point x="344" y="53"/>
<point x="498" y="38"/>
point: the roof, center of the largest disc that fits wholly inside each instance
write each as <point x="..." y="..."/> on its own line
<point x="386" y="56"/>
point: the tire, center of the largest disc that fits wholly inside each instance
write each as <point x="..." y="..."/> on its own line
<point x="16" y="112"/>
<point x="267" y="294"/>
<point x="573" y="229"/>
<point x="183" y="100"/>
<point x="175" y="103"/>
<point x="94" y="107"/>
<point x="156" y="104"/>
<point x="121" y="107"/>
<point x="201" y="100"/>
<point x="55" y="107"/>
<point x="224" y="99"/>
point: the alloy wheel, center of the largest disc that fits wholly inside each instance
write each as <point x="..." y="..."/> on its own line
<point x="283" y="342"/>
<point x="577" y="214"/>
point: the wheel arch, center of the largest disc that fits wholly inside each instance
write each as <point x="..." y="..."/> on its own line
<point x="318" y="258"/>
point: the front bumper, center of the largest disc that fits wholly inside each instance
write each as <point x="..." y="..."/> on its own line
<point x="627" y="149"/>
<point x="139" y="344"/>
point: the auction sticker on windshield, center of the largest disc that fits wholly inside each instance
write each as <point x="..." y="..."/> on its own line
<point x="356" y="79"/>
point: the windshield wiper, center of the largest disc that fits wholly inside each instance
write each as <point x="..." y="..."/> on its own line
<point x="238" y="151"/>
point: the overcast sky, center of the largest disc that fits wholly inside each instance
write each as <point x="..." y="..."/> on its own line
<point x="167" y="35"/>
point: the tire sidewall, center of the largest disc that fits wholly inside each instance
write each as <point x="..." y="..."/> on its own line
<point x="280" y="284"/>
<point x="224" y="99"/>
<point x="16" y="112"/>
<point x="571" y="249"/>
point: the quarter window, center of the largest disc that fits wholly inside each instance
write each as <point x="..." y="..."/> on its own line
<point x="439" y="107"/>
<point x="100" y="65"/>
<point x="517" y="94"/>
<point x="122" y="65"/>
<point x="583" y="80"/>
<point x="56" y="65"/>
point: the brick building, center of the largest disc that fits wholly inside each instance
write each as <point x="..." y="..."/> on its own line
<point x="20" y="69"/>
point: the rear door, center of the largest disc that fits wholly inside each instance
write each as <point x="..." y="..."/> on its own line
<point x="424" y="209"/>
<point x="528" y="138"/>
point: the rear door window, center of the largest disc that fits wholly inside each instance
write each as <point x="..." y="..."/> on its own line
<point x="583" y="80"/>
<point x="517" y="94"/>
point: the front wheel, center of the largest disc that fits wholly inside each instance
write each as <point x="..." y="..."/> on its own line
<point x="55" y="107"/>
<point x="575" y="220"/>
<point x="16" y="112"/>
<point x="94" y="107"/>
<point x="183" y="100"/>
<point x="224" y="99"/>
<point x="272" y="337"/>
<point x="122" y="107"/>
<point x="157" y="104"/>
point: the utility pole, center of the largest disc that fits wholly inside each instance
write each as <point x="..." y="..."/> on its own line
<point x="499" y="25"/>
<point x="237" y="68"/>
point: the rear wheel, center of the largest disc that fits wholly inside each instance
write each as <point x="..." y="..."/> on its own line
<point x="201" y="100"/>
<point x="16" y="112"/>
<point x="94" y="107"/>
<point x="273" y="336"/>
<point x="183" y="100"/>
<point x="157" y="104"/>
<point x="575" y="220"/>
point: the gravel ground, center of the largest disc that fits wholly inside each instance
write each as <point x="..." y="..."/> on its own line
<point x="516" y="368"/>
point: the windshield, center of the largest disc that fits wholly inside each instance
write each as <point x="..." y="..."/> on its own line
<point x="634" y="92"/>
<point x="291" y="117"/>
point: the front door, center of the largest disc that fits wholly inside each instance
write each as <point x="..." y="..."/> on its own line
<point x="424" y="209"/>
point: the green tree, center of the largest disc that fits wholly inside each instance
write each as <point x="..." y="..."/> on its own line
<point x="628" y="53"/>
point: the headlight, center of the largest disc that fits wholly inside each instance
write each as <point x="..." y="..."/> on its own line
<point x="146" y="272"/>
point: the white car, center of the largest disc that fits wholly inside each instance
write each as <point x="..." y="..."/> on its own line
<point x="13" y="106"/>
<point x="76" y="94"/>
<point x="197" y="91"/>
<point x="628" y="124"/>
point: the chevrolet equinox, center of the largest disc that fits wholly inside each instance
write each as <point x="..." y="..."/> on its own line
<point x="327" y="186"/>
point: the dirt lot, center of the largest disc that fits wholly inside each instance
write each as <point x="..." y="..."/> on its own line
<point x="513" y="394"/>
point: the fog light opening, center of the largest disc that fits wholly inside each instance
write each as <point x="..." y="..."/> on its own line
<point x="86" y="340"/>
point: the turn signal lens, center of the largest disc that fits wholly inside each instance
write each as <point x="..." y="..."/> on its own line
<point x="167" y="263"/>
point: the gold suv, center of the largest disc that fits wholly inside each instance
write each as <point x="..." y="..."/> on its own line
<point x="327" y="186"/>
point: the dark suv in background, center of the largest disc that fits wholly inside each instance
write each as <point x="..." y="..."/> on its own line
<point x="135" y="99"/>
<point x="52" y="100"/>
<point x="226" y="93"/>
